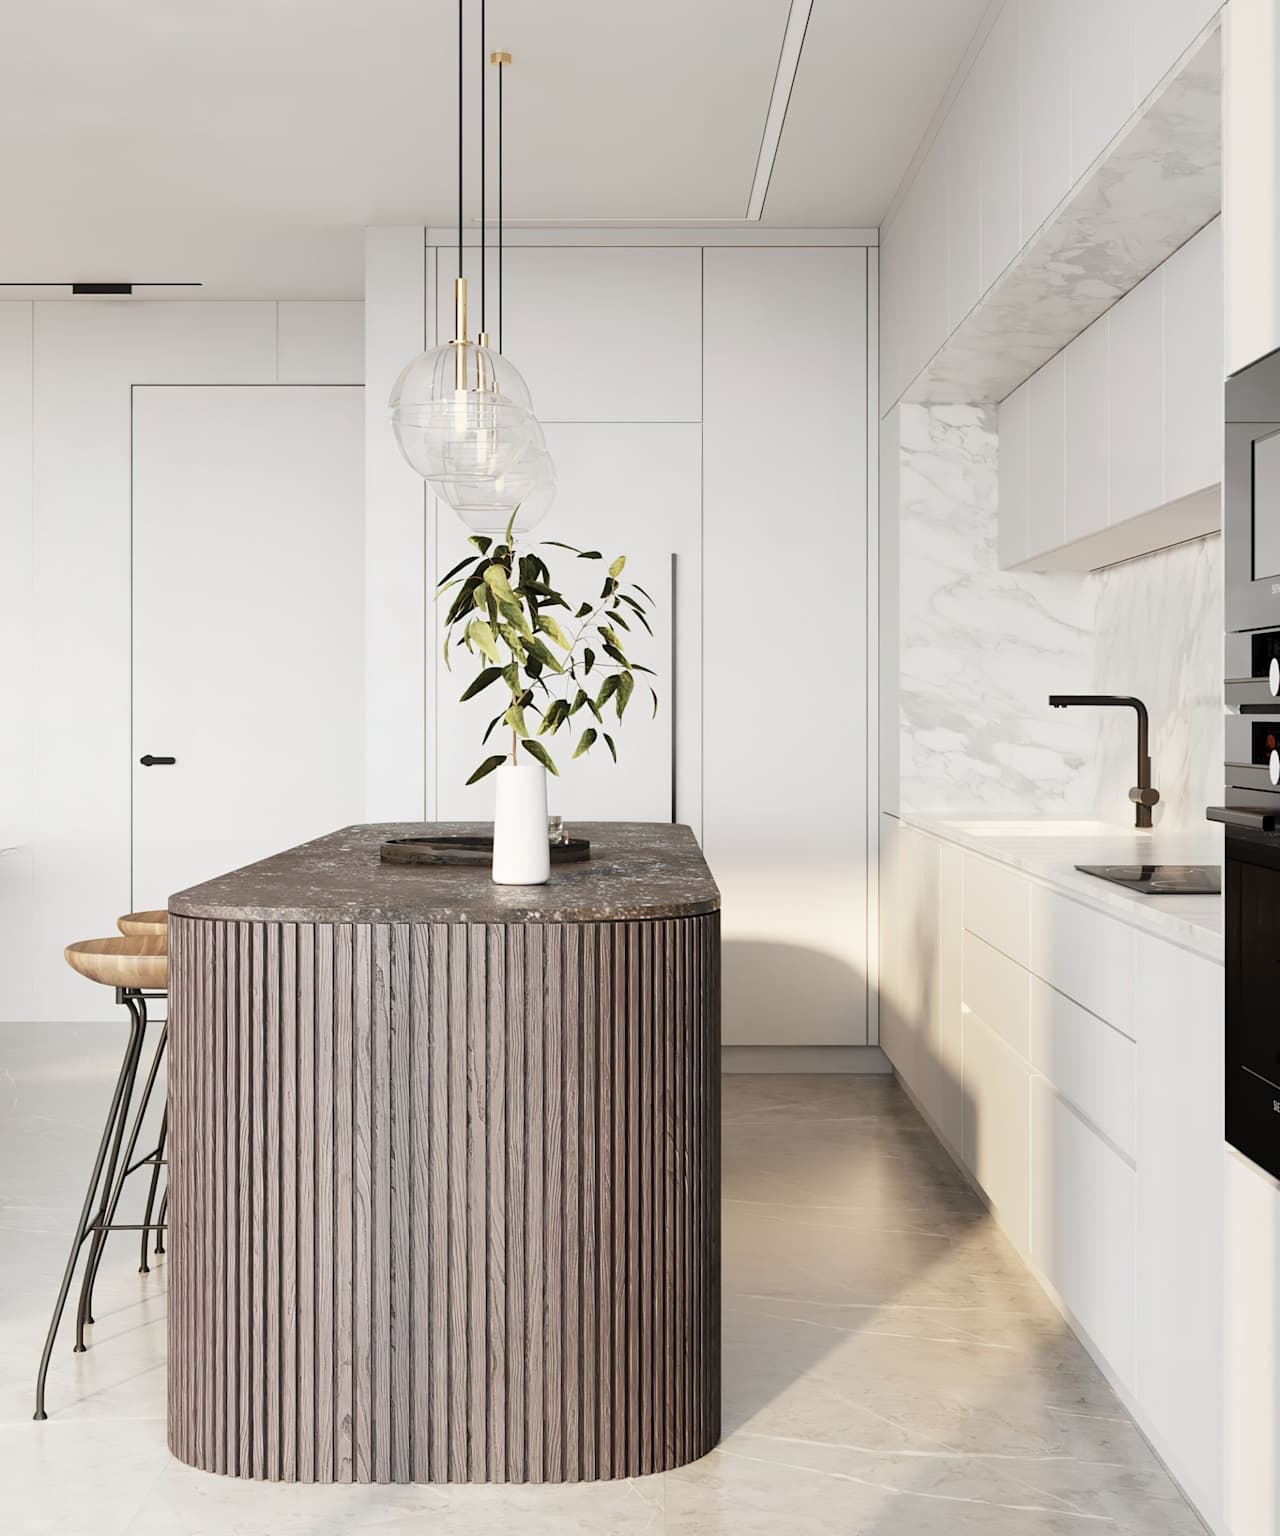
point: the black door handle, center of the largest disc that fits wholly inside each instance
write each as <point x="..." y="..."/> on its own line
<point x="157" y="762"/>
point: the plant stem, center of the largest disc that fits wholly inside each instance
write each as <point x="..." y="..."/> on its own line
<point x="515" y="742"/>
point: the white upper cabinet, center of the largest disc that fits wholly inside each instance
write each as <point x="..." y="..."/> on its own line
<point x="964" y="202"/>
<point x="931" y="295"/>
<point x="1088" y="432"/>
<point x="1163" y="31"/>
<point x="605" y="333"/>
<point x="1102" y="88"/>
<point x="1137" y="391"/>
<point x="1044" y="80"/>
<point x="1193" y="365"/>
<point x="1054" y="83"/>
<point x="1011" y="492"/>
<point x="1251" y="180"/>
<point x="1121" y="469"/>
<point x="1046" y="415"/>
<point x="996" y="82"/>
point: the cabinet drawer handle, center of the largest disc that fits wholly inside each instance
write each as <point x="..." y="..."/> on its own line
<point x="148" y="761"/>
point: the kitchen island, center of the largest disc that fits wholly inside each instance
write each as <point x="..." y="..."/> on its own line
<point x="445" y="1165"/>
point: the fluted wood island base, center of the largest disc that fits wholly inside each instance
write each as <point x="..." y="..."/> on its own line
<point x="445" y="1179"/>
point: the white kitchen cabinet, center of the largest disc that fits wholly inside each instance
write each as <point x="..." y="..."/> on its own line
<point x="1085" y="954"/>
<point x="1102" y="82"/>
<point x="932" y="291"/>
<point x="1193" y="403"/>
<point x="1088" y="432"/>
<point x="995" y="988"/>
<point x="1082" y="1203"/>
<point x="1044" y="87"/>
<point x="1163" y="31"/>
<point x="602" y="333"/>
<point x="1091" y="1065"/>
<point x="996" y="82"/>
<point x="995" y="1129"/>
<point x="895" y="308"/>
<point x="1251" y="179"/>
<point x="948" y="1044"/>
<point x="1013" y="461"/>
<point x="1136" y="335"/>
<point x="793" y="885"/>
<point x="1142" y="424"/>
<point x="654" y="511"/>
<point x="1251" y="1349"/>
<point x="1179" y="1213"/>
<point x="964" y="202"/>
<point x="996" y="905"/>
<point x="1046" y="472"/>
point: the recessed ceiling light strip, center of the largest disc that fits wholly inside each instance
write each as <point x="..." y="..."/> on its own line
<point x="783" y="83"/>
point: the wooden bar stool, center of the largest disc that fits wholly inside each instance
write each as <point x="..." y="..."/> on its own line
<point x="136" y="965"/>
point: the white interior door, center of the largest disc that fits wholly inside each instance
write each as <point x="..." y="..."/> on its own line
<point x="248" y="537"/>
<point x="632" y="489"/>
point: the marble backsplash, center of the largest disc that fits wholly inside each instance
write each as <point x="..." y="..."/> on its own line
<point x="981" y="649"/>
<point x="1158" y="634"/>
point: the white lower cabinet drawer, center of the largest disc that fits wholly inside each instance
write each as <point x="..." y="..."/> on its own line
<point x="994" y="1123"/>
<point x="1082" y="1220"/>
<point x="1085" y="954"/>
<point x="995" y="988"/>
<point x="996" y="905"/>
<point x="1091" y="1065"/>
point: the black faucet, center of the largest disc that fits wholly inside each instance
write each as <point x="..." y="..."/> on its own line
<point x="1142" y="794"/>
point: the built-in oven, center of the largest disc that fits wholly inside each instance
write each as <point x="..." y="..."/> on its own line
<point x="1251" y="794"/>
<point x="1251" y="496"/>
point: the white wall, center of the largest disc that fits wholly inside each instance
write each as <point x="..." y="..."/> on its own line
<point x="684" y="338"/>
<point x="66" y="374"/>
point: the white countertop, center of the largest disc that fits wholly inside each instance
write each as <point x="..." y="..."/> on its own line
<point x="1048" y="848"/>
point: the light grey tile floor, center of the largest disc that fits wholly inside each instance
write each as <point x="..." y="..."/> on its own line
<point x="891" y="1369"/>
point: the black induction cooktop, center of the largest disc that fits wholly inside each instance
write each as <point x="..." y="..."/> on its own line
<point x="1161" y="879"/>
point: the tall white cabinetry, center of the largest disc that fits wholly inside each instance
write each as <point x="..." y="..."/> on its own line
<point x="784" y="743"/>
<point x="688" y="420"/>
<point x="1251" y="180"/>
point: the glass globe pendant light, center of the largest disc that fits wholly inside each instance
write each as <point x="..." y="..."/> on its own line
<point x="460" y="411"/>
<point x="519" y="497"/>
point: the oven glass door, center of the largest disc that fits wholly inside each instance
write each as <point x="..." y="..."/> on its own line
<point x="1253" y="1004"/>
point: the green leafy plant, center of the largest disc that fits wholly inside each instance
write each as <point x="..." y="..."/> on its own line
<point x="548" y="666"/>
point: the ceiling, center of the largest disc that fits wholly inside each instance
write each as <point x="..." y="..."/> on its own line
<point x="246" y="144"/>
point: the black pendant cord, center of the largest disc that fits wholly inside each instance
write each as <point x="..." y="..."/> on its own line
<point x="460" y="124"/>
<point x="484" y="160"/>
<point x="500" y="74"/>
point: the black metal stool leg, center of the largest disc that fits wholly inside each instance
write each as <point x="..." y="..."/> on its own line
<point x="126" y="1168"/>
<point x="115" y="1116"/>
<point x="143" y="1267"/>
<point x="138" y="1013"/>
<point x="161" y="1214"/>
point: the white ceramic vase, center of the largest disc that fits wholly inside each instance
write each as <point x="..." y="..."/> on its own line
<point x="521" y="849"/>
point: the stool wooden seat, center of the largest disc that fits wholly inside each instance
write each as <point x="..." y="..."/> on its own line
<point x="154" y="924"/>
<point x="139" y="961"/>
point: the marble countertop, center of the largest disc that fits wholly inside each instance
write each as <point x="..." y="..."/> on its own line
<point x="1047" y="849"/>
<point x="636" y="870"/>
